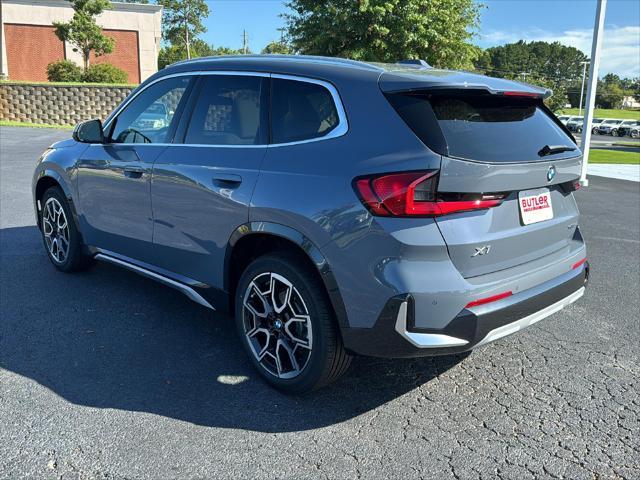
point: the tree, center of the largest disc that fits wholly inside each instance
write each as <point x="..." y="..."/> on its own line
<point x="83" y="32"/>
<point x="609" y="93"/>
<point x="279" y="47"/>
<point x="199" y="48"/>
<point x="438" y="31"/>
<point x="551" y="65"/>
<point x="182" y="21"/>
<point x="553" y="61"/>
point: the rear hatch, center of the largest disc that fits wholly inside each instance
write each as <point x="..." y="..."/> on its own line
<point x="497" y="144"/>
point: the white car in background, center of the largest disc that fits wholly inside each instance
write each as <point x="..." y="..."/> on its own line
<point x="609" y="126"/>
<point x="564" y="119"/>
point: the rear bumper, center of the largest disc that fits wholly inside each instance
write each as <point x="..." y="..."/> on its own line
<point x="395" y="334"/>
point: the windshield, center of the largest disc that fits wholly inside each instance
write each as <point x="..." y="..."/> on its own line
<point x="612" y="122"/>
<point x="484" y="127"/>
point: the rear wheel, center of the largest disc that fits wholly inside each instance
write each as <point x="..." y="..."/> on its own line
<point x="634" y="134"/>
<point x="287" y="326"/>
<point x="59" y="233"/>
<point x="614" y="132"/>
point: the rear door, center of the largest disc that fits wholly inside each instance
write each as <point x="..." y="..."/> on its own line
<point x="202" y="183"/>
<point x="512" y="148"/>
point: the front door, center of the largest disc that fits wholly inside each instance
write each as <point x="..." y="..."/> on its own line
<point x="202" y="185"/>
<point x="114" y="178"/>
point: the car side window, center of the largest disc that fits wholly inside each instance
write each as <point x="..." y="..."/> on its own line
<point x="300" y="111"/>
<point x="227" y="111"/>
<point x="148" y="118"/>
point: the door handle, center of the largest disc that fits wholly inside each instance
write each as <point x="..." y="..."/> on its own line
<point x="227" y="178"/>
<point x="133" y="172"/>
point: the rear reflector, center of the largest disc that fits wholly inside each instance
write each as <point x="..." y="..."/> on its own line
<point x="413" y="194"/>
<point x="579" y="264"/>
<point x="494" y="298"/>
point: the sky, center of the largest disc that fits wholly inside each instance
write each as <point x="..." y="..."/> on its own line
<point x="503" y="21"/>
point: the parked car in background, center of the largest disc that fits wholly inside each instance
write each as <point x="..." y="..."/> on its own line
<point x="595" y="123"/>
<point x="576" y="125"/>
<point x="564" y="118"/>
<point x="333" y="207"/>
<point x="626" y="126"/>
<point x="609" y="127"/>
<point x="570" y="119"/>
<point x="156" y="117"/>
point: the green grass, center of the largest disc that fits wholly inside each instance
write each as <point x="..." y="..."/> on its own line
<point x="606" y="113"/>
<point x="614" y="156"/>
<point x="11" y="123"/>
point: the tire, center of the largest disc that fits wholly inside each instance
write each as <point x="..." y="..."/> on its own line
<point x="294" y="356"/>
<point x="579" y="130"/>
<point x="594" y="131"/>
<point x="614" y="132"/>
<point x="634" y="134"/>
<point x="59" y="229"/>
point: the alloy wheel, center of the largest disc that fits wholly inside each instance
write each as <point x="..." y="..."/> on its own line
<point x="277" y="325"/>
<point x="55" y="229"/>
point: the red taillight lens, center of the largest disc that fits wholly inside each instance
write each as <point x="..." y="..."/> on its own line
<point x="409" y="194"/>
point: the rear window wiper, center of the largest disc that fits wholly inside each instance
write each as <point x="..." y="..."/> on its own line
<point x="551" y="149"/>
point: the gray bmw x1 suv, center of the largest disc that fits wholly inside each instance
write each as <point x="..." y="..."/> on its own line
<point x="333" y="207"/>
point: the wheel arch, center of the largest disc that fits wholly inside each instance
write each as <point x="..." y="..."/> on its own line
<point x="254" y="239"/>
<point x="47" y="179"/>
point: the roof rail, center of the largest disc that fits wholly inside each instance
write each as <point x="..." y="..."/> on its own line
<point x="417" y="63"/>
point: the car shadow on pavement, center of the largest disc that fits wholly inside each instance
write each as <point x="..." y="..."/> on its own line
<point x="108" y="338"/>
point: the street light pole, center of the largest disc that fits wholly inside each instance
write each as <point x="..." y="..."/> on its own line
<point x="591" y="91"/>
<point x="584" y="74"/>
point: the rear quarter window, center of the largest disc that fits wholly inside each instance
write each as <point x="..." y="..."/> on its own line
<point x="301" y="111"/>
<point x="482" y="127"/>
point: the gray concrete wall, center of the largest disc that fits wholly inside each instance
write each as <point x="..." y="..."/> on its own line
<point x="58" y="104"/>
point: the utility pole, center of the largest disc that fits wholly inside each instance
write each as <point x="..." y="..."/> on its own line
<point x="593" y="84"/>
<point x="245" y="42"/>
<point x="186" y="32"/>
<point x="584" y="74"/>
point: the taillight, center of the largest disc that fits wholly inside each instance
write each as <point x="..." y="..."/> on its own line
<point x="414" y="194"/>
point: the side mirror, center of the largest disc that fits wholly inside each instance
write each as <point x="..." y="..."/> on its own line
<point x="89" y="132"/>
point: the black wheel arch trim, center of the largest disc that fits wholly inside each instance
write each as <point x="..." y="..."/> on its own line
<point x="311" y="250"/>
<point x="55" y="176"/>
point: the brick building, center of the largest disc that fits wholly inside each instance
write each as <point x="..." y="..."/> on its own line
<point x="29" y="43"/>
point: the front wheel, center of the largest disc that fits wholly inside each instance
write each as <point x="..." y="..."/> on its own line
<point x="614" y="132"/>
<point x="59" y="233"/>
<point x="287" y="326"/>
<point x="634" y="134"/>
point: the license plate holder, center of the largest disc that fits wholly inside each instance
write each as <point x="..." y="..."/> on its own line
<point x="535" y="205"/>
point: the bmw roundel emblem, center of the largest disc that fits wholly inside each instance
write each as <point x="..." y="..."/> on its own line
<point x="551" y="173"/>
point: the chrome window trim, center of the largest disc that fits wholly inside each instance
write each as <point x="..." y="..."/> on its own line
<point x="341" y="129"/>
<point x="343" y="125"/>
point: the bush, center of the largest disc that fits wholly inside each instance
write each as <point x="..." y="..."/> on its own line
<point x="64" y="71"/>
<point x="104" y="73"/>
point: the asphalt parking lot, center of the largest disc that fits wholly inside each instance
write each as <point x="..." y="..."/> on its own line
<point x="108" y="375"/>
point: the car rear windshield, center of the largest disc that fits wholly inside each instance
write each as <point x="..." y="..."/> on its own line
<point x="483" y="127"/>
